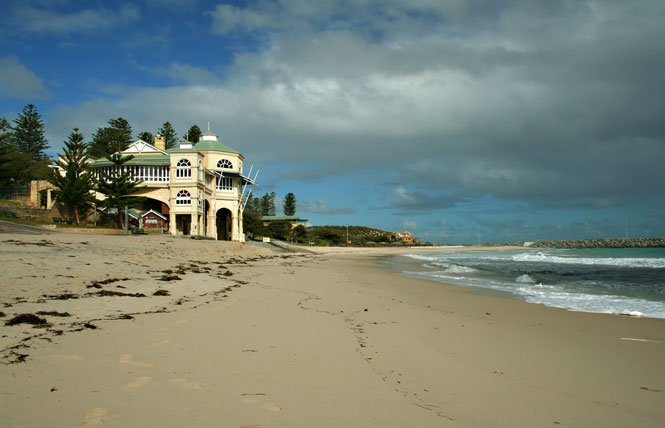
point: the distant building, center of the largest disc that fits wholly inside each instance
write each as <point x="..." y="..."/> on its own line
<point x="195" y="189"/>
<point x="406" y="237"/>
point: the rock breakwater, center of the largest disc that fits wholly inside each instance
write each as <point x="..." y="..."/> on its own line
<point x="603" y="243"/>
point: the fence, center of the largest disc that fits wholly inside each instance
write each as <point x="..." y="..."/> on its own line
<point x="15" y="193"/>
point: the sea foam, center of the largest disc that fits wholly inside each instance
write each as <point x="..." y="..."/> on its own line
<point x="653" y="263"/>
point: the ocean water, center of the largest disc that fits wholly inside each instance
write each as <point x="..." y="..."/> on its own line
<point x="620" y="281"/>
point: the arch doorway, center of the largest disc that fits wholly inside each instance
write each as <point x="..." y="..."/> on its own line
<point x="206" y="210"/>
<point x="224" y="225"/>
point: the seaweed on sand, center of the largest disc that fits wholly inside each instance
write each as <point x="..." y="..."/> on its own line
<point x="27" y="319"/>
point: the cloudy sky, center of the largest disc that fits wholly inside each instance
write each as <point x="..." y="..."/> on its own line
<point x="498" y="120"/>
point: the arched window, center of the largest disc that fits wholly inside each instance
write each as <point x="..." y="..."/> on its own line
<point x="183" y="169"/>
<point x="224" y="163"/>
<point x="183" y="198"/>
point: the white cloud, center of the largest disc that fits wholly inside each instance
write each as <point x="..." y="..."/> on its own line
<point x="186" y="73"/>
<point x="19" y="82"/>
<point x="227" y="18"/>
<point x="37" y="20"/>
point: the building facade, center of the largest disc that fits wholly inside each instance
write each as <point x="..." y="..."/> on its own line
<point x="200" y="188"/>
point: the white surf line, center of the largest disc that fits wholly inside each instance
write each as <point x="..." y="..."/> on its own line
<point x="635" y="339"/>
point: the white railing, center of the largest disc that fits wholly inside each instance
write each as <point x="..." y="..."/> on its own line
<point x="146" y="173"/>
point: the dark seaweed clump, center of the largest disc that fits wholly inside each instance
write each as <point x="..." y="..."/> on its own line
<point x="27" y="319"/>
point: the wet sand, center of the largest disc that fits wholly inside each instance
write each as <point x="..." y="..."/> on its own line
<point x="241" y="336"/>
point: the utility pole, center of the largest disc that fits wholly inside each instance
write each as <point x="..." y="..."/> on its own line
<point x="347" y="235"/>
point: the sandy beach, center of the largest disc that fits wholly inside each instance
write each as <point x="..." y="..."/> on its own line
<point x="157" y="331"/>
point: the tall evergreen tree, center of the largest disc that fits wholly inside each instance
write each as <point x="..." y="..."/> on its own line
<point x="289" y="204"/>
<point x="268" y="204"/>
<point x="5" y="132"/>
<point x="169" y="134"/>
<point x="74" y="188"/>
<point x="118" y="186"/>
<point x="8" y="154"/>
<point x="147" y="137"/>
<point x="193" y="134"/>
<point x="28" y="133"/>
<point x="253" y="204"/>
<point x="111" y="139"/>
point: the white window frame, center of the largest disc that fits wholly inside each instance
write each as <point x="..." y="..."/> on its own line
<point x="183" y="198"/>
<point x="224" y="184"/>
<point x="224" y="164"/>
<point x="183" y="169"/>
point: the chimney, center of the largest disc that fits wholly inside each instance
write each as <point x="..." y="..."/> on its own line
<point x="159" y="142"/>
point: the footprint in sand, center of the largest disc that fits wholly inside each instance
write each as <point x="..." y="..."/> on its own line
<point x="125" y="358"/>
<point x="162" y="343"/>
<point x="183" y="321"/>
<point x="257" y="399"/>
<point x="94" y="416"/>
<point x="272" y="407"/>
<point x="163" y="330"/>
<point x="138" y="382"/>
<point x="187" y="385"/>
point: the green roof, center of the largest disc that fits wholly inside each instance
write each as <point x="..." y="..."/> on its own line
<point x="213" y="145"/>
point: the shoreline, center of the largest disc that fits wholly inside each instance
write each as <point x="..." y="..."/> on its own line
<point x="325" y="339"/>
<point x="417" y="269"/>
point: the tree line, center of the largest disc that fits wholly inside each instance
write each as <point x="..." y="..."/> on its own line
<point x="258" y="207"/>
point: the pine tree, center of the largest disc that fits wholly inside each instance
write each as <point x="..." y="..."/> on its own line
<point x="193" y="134"/>
<point x="147" y="137"/>
<point x="28" y="134"/>
<point x="118" y="186"/>
<point x="253" y="205"/>
<point x="74" y="188"/>
<point x="8" y="154"/>
<point x="169" y="134"/>
<point x="111" y="139"/>
<point x="289" y="204"/>
<point x="268" y="204"/>
<point x="5" y="132"/>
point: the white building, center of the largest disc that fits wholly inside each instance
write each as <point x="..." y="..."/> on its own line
<point x="199" y="187"/>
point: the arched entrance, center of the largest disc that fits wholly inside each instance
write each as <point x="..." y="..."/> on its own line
<point x="206" y="210"/>
<point x="224" y="225"/>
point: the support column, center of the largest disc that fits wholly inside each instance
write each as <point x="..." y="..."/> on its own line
<point x="194" y="223"/>
<point x="173" y="228"/>
<point x="211" y="228"/>
<point x="49" y="200"/>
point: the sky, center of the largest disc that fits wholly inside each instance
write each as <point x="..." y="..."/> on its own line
<point x="460" y="121"/>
